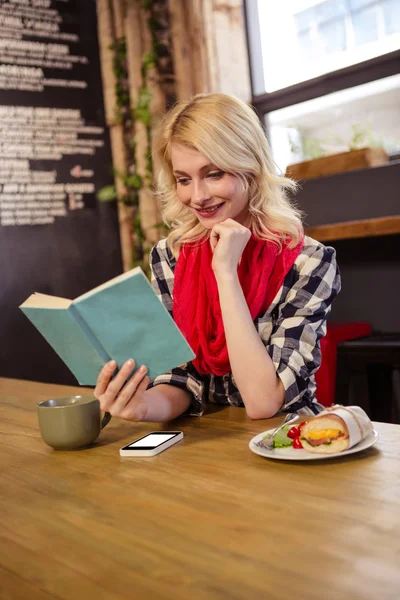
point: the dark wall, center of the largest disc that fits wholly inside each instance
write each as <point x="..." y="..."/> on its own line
<point x="370" y="270"/>
<point x="65" y="259"/>
<point x="361" y="194"/>
<point x="370" y="267"/>
<point x="79" y="250"/>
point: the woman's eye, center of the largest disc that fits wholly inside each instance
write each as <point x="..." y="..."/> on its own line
<point x="215" y="174"/>
<point x="182" y="181"/>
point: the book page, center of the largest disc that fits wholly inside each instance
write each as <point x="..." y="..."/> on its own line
<point x="45" y="301"/>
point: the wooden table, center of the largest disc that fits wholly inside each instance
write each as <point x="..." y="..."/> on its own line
<point x="205" y="519"/>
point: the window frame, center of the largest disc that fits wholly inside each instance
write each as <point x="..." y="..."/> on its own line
<point x="334" y="81"/>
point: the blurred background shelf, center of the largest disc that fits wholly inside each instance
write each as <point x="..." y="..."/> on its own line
<point x="355" y="229"/>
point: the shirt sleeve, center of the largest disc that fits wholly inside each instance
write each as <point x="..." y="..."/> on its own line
<point x="294" y="345"/>
<point x="184" y="376"/>
<point x="162" y="274"/>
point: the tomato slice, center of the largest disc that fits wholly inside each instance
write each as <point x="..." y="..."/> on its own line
<point x="301" y="425"/>
<point x="293" y="432"/>
<point x="297" y="443"/>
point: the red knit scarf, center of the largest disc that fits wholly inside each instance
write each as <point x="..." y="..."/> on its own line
<point x="196" y="306"/>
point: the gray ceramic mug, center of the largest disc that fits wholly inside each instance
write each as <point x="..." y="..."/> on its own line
<point x="71" y="422"/>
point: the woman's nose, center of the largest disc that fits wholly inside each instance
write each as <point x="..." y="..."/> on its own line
<point x="199" y="191"/>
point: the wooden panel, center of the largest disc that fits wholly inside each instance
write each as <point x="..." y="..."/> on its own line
<point x="226" y="38"/>
<point x="338" y="163"/>
<point x="181" y="50"/>
<point x="355" y="229"/>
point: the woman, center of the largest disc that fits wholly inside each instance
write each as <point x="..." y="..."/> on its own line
<point x="249" y="292"/>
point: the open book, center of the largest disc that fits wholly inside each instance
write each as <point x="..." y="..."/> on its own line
<point x="117" y="320"/>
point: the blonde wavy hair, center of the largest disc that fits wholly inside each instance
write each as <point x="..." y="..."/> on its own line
<point x="229" y="134"/>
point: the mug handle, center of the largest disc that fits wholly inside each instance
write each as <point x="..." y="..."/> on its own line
<point x="106" y="419"/>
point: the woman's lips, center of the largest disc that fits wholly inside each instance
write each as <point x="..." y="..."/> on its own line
<point x="209" y="212"/>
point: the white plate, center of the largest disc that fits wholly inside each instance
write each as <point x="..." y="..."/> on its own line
<point x="293" y="454"/>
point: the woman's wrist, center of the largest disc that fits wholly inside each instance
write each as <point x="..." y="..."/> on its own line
<point x="166" y="402"/>
<point x="226" y="276"/>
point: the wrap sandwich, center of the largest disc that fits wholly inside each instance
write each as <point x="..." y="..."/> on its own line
<point x="336" y="429"/>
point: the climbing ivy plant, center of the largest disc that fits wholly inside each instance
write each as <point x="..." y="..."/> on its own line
<point x="159" y="57"/>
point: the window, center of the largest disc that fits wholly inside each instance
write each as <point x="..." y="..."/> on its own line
<point x="325" y="74"/>
<point x="365" y="115"/>
<point x="391" y="15"/>
<point x="301" y="39"/>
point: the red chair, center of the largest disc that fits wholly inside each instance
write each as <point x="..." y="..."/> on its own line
<point x="325" y="377"/>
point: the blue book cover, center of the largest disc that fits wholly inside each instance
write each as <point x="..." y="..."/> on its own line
<point x="117" y="320"/>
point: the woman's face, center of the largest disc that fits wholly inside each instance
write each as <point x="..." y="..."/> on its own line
<point x="210" y="193"/>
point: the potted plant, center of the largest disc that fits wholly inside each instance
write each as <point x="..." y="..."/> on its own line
<point x="363" y="151"/>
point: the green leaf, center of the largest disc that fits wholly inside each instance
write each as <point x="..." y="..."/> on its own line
<point x="144" y="97"/>
<point x="121" y="50"/>
<point x="134" y="181"/>
<point x="137" y="228"/>
<point x="143" y="115"/>
<point x="117" y="173"/>
<point x="131" y="198"/>
<point x="107" y="193"/>
<point x="149" y="59"/>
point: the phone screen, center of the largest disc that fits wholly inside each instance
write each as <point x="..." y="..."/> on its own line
<point x="153" y="440"/>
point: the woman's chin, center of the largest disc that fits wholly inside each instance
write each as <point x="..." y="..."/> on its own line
<point x="210" y="222"/>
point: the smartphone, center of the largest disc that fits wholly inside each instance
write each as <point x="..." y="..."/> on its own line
<point x="151" y="444"/>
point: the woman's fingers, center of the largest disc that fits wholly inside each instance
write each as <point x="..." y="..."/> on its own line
<point x="214" y="237"/>
<point x="136" y="408"/>
<point x="104" y="378"/>
<point x="128" y="392"/>
<point x="122" y="394"/>
<point x="115" y="385"/>
<point x="220" y="230"/>
<point x="133" y="383"/>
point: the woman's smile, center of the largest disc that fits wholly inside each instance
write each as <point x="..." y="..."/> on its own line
<point x="211" y="211"/>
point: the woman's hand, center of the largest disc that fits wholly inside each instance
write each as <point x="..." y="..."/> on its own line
<point x="228" y="240"/>
<point x="120" y="399"/>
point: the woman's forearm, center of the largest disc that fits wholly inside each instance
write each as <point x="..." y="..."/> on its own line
<point x="253" y="370"/>
<point x="165" y="402"/>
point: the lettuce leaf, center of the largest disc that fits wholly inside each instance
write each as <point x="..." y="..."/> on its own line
<point x="281" y="440"/>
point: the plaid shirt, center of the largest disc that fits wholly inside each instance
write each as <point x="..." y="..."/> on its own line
<point x="291" y="330"/>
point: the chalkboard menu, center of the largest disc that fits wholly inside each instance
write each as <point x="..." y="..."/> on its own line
<point x="55" y="238"/>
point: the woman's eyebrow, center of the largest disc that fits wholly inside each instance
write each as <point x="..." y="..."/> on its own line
<point x="204" y="168"/>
